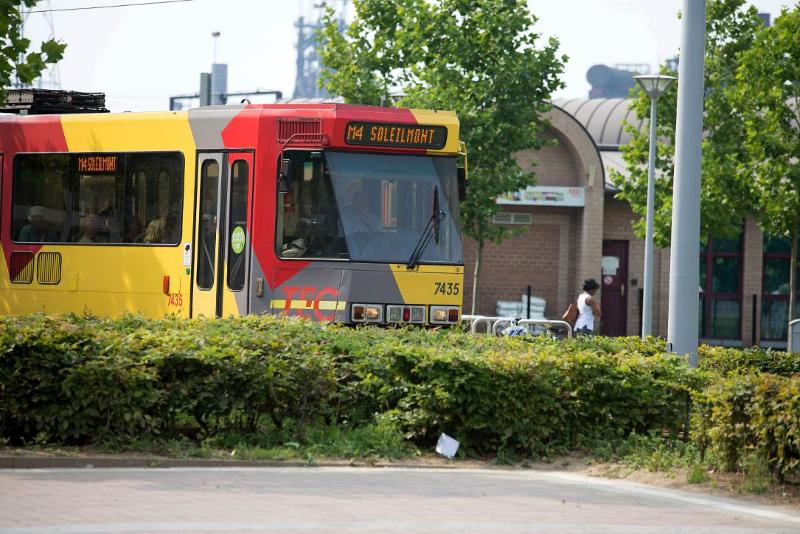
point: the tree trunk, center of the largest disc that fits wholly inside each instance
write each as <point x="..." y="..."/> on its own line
<point x="793" y="273"/>
<point x="475" y="276"/>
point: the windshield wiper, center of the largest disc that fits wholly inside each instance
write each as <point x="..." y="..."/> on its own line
<point x="431" y="230"/>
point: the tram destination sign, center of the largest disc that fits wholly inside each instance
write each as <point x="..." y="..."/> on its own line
<point x="97" y="163"/>
<point x="397" y="135"/>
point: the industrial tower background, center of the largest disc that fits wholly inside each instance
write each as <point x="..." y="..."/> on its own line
<point x="306" y="83"/>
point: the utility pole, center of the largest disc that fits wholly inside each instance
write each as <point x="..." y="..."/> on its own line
<point x="684" y="275"/>
<point x="215" y="36"/>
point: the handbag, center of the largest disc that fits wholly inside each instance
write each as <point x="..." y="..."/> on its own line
<point x="571" y="315"/>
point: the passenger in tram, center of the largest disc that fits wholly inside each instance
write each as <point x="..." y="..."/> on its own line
<point x="108" y="226"/>
<point x="154" y="233"/>
<point x="133" y="229"/>
<point x="172" y="229"/>
<point x="89" y="230"/>
<point x="36" y="230"/>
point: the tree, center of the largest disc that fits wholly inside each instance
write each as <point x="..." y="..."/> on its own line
<point x="479" y="58"/>
<point x="15" y="61"/>
<point x="768" y="100"/>
<point x="725" y="197"/>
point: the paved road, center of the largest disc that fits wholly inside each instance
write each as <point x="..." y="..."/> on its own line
<point x="345" y="500"/>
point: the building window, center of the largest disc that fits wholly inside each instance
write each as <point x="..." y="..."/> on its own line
<point x="721" y="289"/>
<point x="512" y="217"/>
<point x="775" y="289"/>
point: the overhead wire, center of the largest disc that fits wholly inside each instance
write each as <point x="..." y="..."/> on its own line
<point x="112" y="6"/>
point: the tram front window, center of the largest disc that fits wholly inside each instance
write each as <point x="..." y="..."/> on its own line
<point x="307" y="225"/>
<point x="369" y="207"/>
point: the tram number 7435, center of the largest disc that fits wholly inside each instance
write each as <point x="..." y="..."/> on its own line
<point x="446" y="288"/>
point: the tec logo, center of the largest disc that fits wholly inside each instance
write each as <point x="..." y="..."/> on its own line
<point x="320" y="304"/>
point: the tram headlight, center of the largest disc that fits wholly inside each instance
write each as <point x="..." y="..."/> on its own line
<point x="366" y="313"/>
<point x="373" y="313"/>
<point x="439" y="315"/>
<point x="445" y="314"/>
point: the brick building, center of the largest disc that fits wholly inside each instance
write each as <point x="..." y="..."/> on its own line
<point x="577" y="229"/>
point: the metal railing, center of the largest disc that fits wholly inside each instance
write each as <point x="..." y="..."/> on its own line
<point x="475" y="320"/>
<point x="793" y="344"/>
<point x="496" y="321"/>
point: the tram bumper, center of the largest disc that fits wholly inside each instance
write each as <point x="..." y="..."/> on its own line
<point x="395" y="294"/>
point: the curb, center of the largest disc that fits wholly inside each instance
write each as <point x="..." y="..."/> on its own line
<point x="101" y="462"/>
<point x="89" y="462"/>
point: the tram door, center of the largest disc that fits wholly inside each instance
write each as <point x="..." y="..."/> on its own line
<point x="2" y="185"/>
<point x="222" y="240"/>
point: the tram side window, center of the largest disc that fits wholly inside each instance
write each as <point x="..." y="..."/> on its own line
<point x="96" y="220"/>
<point x="41" y="202"/>
<point x="97" y="198"/>
<point x="237" y="225"/>
<point x="153" y="198"/>
<point x="308" y="216"/>
<point x="209" y="184"/>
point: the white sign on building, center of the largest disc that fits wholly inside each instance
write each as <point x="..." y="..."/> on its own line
<point x="545" y="195"/>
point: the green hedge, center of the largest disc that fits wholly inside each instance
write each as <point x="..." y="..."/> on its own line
<point x="754" y="414"/>
<point x="78" y="380"/>
<point x="75" y="380"/>
<point x="727" y="360"/>
<point x="717" y="359"/>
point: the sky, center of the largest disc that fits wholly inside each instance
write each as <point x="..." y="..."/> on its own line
<point x="140" y="56"/>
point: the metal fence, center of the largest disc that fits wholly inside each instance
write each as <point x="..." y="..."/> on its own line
<point x="493" y="323"/>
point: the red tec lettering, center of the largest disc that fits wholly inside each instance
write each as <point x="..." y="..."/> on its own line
<point x="328" y="291"/>
<point x="311" y="298"/>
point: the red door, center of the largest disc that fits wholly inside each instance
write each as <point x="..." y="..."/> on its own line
<point x="613" y="283"/>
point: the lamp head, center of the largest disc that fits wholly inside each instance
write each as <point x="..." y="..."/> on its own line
<point x="654" y="85"/>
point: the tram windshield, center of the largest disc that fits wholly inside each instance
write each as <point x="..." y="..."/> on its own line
<point x="370" y="207"/>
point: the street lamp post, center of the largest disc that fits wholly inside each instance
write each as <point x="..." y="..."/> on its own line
<point x="215" y="35"/>
<point x="654" y="86"/>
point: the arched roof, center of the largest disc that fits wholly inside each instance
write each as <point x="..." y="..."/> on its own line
<point x="603" y="118"/>
<point x="575" y="135"/>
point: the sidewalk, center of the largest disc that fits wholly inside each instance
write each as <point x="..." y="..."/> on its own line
<point x="347" y="500"/>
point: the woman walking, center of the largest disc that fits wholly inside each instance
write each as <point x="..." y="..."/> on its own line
<point x="587" y="308"/>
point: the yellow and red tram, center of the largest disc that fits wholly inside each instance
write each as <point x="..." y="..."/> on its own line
<point x="330" y="211"/>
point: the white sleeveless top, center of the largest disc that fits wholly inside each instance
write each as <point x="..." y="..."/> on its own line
<point x="585" y="315"/>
